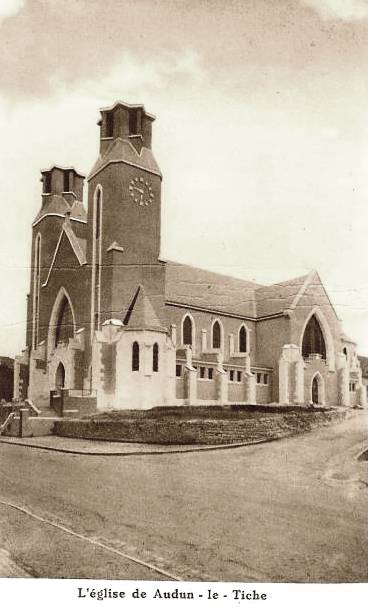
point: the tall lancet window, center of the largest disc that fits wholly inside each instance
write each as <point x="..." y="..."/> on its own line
<point x="313" y="340"/>
<point x="187" y="331"/>
<point x="96" y="259"/>
<point x="135" y="356"/>
<point x="36" y="291"/>
<point x="242" y="339"/>
<point x="216" y="335"/>
<point x="64" y="323"/>
<point x="155" y="358"/>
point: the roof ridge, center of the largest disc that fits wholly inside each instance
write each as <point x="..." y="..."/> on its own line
<point x="303" y="288"/>
<point x="287" y="282"/>
<point x="218" y="273"/>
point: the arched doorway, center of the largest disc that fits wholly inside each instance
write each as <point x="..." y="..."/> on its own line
<point x="318" y="390"/>
<point x="60" y="377"/>
<point x="315" y="391"/>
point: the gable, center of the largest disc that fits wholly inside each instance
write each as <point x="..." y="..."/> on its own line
<point x="69" y="253"/>
<point x="315" y="295"/>
<point x="274" y="299"/>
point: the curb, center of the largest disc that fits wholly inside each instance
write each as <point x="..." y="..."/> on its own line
<point x="128" y="453"/>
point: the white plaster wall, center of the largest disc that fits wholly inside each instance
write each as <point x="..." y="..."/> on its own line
<point x="144" y="389"/>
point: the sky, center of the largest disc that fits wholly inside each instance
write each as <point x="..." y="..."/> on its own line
<point x="261" y="132"/>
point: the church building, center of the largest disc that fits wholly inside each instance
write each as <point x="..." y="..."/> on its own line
<point x="109" y="321"/>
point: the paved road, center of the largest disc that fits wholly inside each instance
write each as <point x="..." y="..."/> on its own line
<point x="292" y="510"/>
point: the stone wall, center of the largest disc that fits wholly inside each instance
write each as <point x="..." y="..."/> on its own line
<point x="235" y="428"/>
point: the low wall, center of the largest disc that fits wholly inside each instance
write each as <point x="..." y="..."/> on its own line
<point x="237" y="428"/>
<point x="5" y="411"/>
<point x="32" y="426"/>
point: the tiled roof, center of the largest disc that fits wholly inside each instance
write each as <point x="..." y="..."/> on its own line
<point x="197" y="287"/>
<point x="56" y="204"/>
<point x="140" y="314"/>
<point x="122" y="150"/>
<point x="278" y="297"/>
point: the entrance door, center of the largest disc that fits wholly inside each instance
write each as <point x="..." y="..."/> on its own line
<point x="315" y="397"/>
<point x="60" y="377"/>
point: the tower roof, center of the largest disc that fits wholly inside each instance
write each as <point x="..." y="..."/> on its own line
<point x="57" y="205"/>
<point x="141" y="314"/>
<point x="68" y="168"/>
<point x="121" y="150"/>
<point x="129" y="107"/>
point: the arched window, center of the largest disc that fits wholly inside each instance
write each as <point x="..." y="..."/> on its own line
<point x="345" y="351"/>
<point x="155" y="358"/>
<point x="96" y="259"/>
<point x="242" y="339"/>
<point x="98" y="215"/>
<point x="135" y="356"/>
<point x="64" y="322"/>
<point x="313" y="340"/>
<point x="187" y="331"/>
<point x="36" y="290"/>
<point x="216" y="335"/>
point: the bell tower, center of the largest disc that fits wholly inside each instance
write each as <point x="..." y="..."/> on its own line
<point x="124" y="211"/>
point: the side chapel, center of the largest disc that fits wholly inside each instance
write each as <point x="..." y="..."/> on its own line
<point x="108" y="319"/>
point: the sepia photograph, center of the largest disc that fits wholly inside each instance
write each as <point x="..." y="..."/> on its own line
<point x="183" y="295"/>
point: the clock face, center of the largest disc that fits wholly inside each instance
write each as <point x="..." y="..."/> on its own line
<point x="141" y="191"/>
